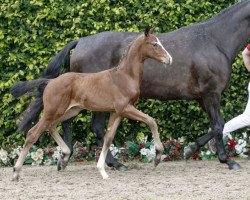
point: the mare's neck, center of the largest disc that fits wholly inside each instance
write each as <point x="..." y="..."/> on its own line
<point x="231" y="30"/>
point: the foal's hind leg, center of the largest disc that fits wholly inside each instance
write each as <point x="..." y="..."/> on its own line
<point x="62" y="162"/>
<point x="132" y="113"/>
<point x="113" y="124"/>
<point x="32" y="136"/>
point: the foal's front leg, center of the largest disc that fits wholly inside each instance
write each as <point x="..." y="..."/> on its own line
<point x="132" y="113"/>
<point x="98" y="124"/>
<point x="113" y="124"/>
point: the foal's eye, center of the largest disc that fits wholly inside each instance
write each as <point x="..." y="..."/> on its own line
<point x="155" y="44"/>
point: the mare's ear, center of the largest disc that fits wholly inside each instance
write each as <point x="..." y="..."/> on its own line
<point x="148" y="31"/>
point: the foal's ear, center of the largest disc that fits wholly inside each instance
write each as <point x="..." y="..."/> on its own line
<point x="148" y="31"/>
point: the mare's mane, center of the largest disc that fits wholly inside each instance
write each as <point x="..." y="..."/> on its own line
<point x="219" y="16"/>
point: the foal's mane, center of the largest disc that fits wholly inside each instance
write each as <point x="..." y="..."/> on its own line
<point x="125" y="53"/>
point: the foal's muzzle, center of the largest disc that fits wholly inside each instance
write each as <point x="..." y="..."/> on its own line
<point x="167" y="60"/>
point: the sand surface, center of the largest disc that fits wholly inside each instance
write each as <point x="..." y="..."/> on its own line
<point x="170" y="180"/>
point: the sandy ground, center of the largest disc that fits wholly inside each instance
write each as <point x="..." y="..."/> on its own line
<point x="171" y="180"/>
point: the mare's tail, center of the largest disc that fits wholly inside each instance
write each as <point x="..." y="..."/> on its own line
<point x="58" y="65"/>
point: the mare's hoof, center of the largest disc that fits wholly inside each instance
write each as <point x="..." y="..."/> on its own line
<point x="61" y="164"/>
<point x="235" y="166"/>
<point x="121" y="167"/>
<point x="188" y="152"/>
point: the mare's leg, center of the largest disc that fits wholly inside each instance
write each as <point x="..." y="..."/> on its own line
<point x="212" y="105"/>
<point x="113" y="124"/>
<point x="32" y="136"/>
<point x="98" y="123"/>
<point x="67" y="133"/>
<point x="62" y="162"/>
<point x="132" y="113"/>
<point x="200" y="142"/>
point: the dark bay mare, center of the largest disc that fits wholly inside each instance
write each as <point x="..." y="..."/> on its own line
<point x="114" y="90"/>
<point x="202" y="53"/>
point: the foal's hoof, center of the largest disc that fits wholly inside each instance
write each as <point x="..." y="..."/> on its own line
<point x="15" y="178"/>
<point x="105" y="177"/>
<point x="234" y="166"/>
<point x="158" y="157"/>
<point x="120" y="167"/>
<point x="157" y="161"/>
<point x="187" y="152"/>
<point x="61" y="164"/>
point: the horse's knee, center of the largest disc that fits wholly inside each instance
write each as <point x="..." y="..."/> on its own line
<point x="218" y="132"/>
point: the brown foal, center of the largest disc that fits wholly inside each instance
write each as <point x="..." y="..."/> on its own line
<point x="115" y="90"/>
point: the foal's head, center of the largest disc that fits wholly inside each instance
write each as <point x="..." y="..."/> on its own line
<point x="153" y="48"/>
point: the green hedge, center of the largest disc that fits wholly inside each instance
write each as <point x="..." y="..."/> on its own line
<point x="33" y="31"/>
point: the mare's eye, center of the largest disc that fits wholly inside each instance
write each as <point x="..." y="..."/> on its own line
<point x="155" y="44"/>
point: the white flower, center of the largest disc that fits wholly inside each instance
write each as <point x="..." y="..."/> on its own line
<point x="16" y="152"/>
<point x="151" y="153"/>
<point x="4" y="156"/>
<point x="144" y="151"/>
<point x="40" y="153"/>
<point x="243" y="155"/>
<point x="34" y="156"/>
<point x="114" y="150"/>
<point x="36" y="163"/>
<point x="181" y="140"/>
<point x="58" y="148"/>
<point x="47" y="162"/>
<point x="143" y="140"/>
<point x="242" y="142"/>
<point x="208" y="152"/>
<point x="244" y="135"/>
<point x="57" y="153"/>
<point x="202" y="153"/>
<point x="240" y="147"/>
<point x="163" y="157"/>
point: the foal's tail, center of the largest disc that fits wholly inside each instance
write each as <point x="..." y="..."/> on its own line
<point x="31" y="115"/>
<point x="23" y="87"/>
<point x="58" y="65"/>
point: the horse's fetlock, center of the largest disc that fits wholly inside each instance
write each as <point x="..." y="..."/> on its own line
<point x="222" y="158"/>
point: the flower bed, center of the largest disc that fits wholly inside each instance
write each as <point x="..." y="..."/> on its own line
<point x="143" y="151"/>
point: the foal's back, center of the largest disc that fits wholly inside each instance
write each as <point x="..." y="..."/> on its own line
<point x="93" y="91"/>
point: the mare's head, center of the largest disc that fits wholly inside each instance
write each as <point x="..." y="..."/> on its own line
<point x="152" y="48"/>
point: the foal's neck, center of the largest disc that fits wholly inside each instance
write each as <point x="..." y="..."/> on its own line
<point x="132" y="63"/>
